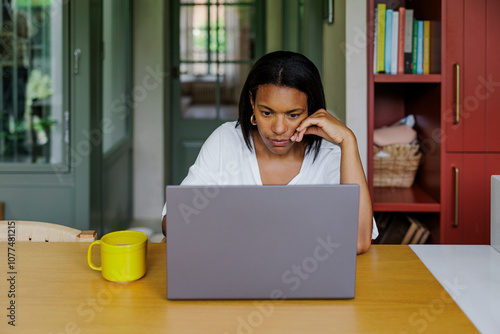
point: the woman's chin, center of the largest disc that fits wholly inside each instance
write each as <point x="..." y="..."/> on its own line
<point x="278" y="149"/>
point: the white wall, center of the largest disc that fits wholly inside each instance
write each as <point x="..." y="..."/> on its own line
<point x="356" y="73"/>
<point x="148" y="89"/>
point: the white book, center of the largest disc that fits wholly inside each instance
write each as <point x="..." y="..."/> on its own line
<point x="395" y="39"/>
<point x="408" y="40"/>
<point x="375" y="33"/>
<point x="408" y="30"/>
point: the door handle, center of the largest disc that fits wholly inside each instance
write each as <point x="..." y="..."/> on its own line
<point x="457" y="94"/>
<point x="456" y="171"/>
<point x="76" y="54"/>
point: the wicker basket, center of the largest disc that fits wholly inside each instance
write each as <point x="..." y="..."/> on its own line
<point x="399" y="169"/>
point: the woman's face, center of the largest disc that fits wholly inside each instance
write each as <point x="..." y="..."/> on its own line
<point x="278" y="112"/>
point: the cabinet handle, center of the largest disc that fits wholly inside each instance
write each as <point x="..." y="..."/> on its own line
<point x="457" y="94"/>
<point x="457" y="173"/>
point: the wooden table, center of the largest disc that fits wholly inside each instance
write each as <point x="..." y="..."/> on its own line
<point x="56" y="292"/>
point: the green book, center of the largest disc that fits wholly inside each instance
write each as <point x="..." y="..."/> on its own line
<point x="380" y="37"/>
<point x="414" y="48"/>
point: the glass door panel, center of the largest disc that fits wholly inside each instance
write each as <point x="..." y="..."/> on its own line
<point x="216" y="50"/>
<point x="32" y="120"/>
<point x="214" y="44"/>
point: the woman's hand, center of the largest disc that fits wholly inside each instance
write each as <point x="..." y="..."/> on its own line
<point x="325" y="125"/>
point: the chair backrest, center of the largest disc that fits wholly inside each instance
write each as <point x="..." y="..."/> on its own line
<point x="43" y="232"/>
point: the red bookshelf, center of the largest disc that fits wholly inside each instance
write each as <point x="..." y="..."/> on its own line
<point x="392" y="97"/>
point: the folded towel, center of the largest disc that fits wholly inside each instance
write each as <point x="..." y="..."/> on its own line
<point x="398" y="134"/>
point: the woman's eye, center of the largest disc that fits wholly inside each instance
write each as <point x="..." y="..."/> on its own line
<point x="293" y="116"/>
<point x="266" y="113"/>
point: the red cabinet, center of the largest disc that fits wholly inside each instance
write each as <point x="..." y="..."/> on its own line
<point x="472" y="76"/>
<point x="466" y="200"/>
<point x="471" y="87"/>
<point x="467" y="193"/>
<point x="493" y="76"/>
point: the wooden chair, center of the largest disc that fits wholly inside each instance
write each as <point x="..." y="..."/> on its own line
<point x="43" y="232"/>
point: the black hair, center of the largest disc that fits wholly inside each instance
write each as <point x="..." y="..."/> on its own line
<point x="283" y="69"/>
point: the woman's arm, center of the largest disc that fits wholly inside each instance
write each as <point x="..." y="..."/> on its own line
<point x="325" y="125"/>
<point x="351" y="171"/>
<point x="164" y="225"/>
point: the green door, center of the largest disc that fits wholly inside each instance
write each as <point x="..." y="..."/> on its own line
<point x="65" y="144"/>
<point x="214" y="44"/>
<point x="36" y="114"/>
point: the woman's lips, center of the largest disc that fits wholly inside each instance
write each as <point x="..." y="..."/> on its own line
<point x="278" y="142"/>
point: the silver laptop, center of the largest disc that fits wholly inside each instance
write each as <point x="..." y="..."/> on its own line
<point x="262" y="242"/>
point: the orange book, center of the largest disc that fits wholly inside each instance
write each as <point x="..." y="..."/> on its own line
<point x="401" y="41"/>
<point x="427" y="46"/>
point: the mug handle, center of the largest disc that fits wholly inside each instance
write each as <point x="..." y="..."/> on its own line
<point x="89" y="256"/>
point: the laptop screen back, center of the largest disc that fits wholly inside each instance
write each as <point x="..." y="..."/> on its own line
<point x="262" y="242"/>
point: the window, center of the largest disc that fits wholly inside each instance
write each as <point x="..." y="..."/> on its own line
<point x="217" y="49"/>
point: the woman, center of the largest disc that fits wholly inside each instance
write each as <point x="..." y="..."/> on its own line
<point x="284" y="135"/>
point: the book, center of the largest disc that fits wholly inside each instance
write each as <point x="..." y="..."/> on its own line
<point x="418" y="231"/>
<point x="375" y="28"/>
<point x="401" y="40"/>
<point x="410" y="233"/>
<point x="420" y="47"/>
<point x="400" y="229"/>
<point x="408" y="40"/>
<point x="380" y="37"/>
<point x="395" y="42"/>
<point x="395" y="229"/>
<point x="388" y="40"/>
<point x="418" y="234"/>
<point x="427" y="45"/>
<point x="424" y="237"/>
<point x="394" y="232"/>
<point x="414" y="47"/>
<point x="421" y="234"/>
<point x="435" y="44"/>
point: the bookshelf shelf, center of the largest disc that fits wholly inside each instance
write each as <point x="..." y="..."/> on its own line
<point x="414" y="199"/>
<point x="407" y="78"/>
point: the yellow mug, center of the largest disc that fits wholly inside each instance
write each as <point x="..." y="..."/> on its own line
<point x="123" y="255"/>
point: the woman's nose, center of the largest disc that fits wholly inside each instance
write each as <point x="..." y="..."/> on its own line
<point x="279" y="125"/>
